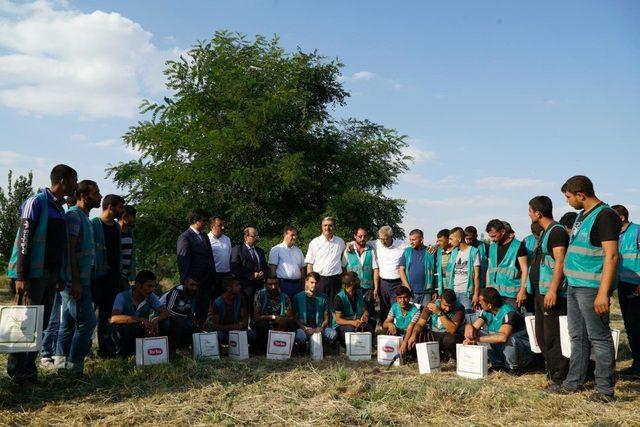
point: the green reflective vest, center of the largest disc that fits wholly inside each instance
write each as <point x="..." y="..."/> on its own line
<point x="428" y="268"/>
<point x="221" y="306"/>
<point x="583" y="264"/>
<point x="264" y="296"/>
<point x="451" y="271"/>
<point x="348" y="311"/>
<point x="505" y="277"/>
<point x="364" y="271"/>
<point x="547" y="264"/>
<point x="300" y="307"/>
<point x="401" y="321"/>
<point x="494" y="322"/>
<point x="436" y="324"/>
<point x="38" y="244"/>
<point x="629" y="265"/>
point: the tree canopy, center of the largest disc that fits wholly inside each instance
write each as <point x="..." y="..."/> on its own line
<point x="248" y="134"/>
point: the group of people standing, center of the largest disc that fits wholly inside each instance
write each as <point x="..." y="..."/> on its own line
<point x="461" y="290"/>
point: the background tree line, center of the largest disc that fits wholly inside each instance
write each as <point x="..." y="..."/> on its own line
<point x="249" y="133"/>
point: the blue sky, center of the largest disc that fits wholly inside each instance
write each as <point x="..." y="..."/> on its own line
<point x="501" y="101"/>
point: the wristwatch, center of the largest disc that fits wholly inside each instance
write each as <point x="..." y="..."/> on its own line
<point x="273" y="317"/>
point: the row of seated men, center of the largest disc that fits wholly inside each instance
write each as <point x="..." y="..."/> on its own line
<point x="138" y="312"/>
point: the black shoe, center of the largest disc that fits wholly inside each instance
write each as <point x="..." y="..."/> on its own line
<point x="601" y="398"/>
<point x="558" y="388"/>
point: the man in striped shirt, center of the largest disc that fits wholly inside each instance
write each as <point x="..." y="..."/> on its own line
<point x="127" y="223"/>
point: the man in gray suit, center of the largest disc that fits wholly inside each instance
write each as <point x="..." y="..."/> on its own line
<point x="195" y="261"/>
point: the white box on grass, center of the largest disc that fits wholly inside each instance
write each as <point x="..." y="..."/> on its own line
<point x="388" y="349"/>
<point x="428" y="357"/>
<point x="205" y="345"/>
<point x="358" y="345"/>
<point x="21" y="328"/>
<point x="315" y="343"/>
<point x="238" y="345"/>
<point x="152" y="351"/>
<point x="472" y="361"/>
<point x="530" y="322"/>
<point x="279" y="345"/>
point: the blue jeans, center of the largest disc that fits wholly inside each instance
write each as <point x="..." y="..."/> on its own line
<point x="76" y="327"/>
<point x="328" y="336"/>
<point x="464" y="300"/>
<point x="514" y="354"/>
<point x="50" y="335"/>
<point x="587" y="328"/>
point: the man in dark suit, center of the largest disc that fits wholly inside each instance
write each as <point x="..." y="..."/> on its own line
<point x="195" y="261"/>
<point x="249" y="264"/>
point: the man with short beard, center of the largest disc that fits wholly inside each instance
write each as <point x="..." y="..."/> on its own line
<point x="37" y="259"/>
<point x="507" y="269"/>
<point x="360" y="258"/>
<point x="107" y="270"/>
<point x="78" y="319"/>
<point x="417" y="268"/>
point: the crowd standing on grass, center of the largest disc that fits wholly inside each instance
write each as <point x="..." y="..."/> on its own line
<point x="462" y="290"/>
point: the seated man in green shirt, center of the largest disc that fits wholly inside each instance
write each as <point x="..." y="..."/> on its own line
<point x="131" y="311"/>
<point x="506" y="333"/>
<point x="228" y="312"/>
<point x="350" y="311"/>
<point x="402" y="317"/>
<point x="442" y="320"/>
<point x="311" y="312"/>
<point x="271" y="311"/>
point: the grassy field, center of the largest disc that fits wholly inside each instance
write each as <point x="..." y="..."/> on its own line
<point x="300" y="392"/>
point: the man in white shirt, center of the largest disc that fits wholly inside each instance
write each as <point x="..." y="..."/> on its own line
<point x="389" y="251"/>
<point x="287" y="263"/>
<point x="221" y="247"/>
<point x="324" y="256"/>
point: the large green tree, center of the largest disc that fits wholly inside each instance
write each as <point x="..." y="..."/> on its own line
<point x="10" y="200"/>
<point x="248" y="133"/>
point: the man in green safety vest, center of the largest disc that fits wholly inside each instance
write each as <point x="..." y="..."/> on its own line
<point x="360" y="258"/>
<point x="507" y="267"/>
<point x="548" y="286"/>
<point x="629" y="287"/>
<point x="591" y="271"/>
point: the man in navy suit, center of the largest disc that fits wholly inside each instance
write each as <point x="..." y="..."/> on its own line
<point x="249" y="264"/>
<point x="195" y="261"/>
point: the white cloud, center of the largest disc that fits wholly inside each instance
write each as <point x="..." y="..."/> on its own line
<point x="363" y="75"/>
<point x="505" y="183"/>
<point x="419" y="155"/>
<point x="61" y="61"/>
<point x="462" y="202"/>
<point x="22" y="164"/>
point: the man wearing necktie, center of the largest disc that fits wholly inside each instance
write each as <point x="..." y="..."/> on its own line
<point x="195" y="261"/>
<point x="249" y="264"/>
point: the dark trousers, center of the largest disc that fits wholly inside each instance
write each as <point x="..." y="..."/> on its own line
<point x="548" y="337"/>
<point x="330" y="286"/>
<point x="203" y="299"/>
<point x="388" y="289"/>
<point x="448" y="343"/>
<point x="21" y="367"/>
<point x="291" y="287"/>
<point x="104" y="290"/>
<point x="342" y="330"/>
<point x="124" y="338"/>
<point x="370" y="304"/>
<point x="630" y="307"/>
<point x="178" y="330"/>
